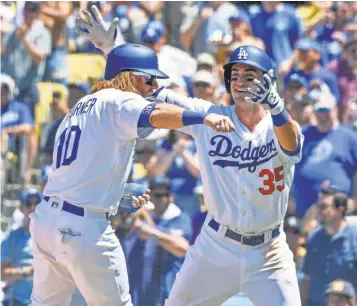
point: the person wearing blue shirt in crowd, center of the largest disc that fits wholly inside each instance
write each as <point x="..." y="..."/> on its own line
<point x="278" y="25"/>
<point x="17" y="258"/>
<point x="309" y="68"/>
<point x="16" y="122"/>
<point x="331" y="250"/>
<point x="176" y="159"/>
<point x="155" y="246"/>
<point x="207" y="23"/>
<point x="329" y="154"/>
<point x="16" y="116"/>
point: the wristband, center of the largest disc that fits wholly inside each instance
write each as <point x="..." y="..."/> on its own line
<point x="191" y="118"/>
<point x="144" y="119"/>
<point x="281" y="118"/>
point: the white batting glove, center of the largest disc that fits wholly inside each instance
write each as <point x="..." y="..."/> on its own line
<point x="267" y="94"/>
<point x="104" y="36"/>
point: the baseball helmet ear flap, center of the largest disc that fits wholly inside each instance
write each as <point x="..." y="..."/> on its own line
<point x="227" y="78"/>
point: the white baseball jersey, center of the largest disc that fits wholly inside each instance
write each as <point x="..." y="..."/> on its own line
<point x="246" y="175"/>
<point x="94" y="149"/>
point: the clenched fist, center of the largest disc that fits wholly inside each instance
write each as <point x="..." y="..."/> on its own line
<point x="219" y="123"/>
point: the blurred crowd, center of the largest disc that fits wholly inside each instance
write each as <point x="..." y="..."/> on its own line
<point x="46" y="68"/>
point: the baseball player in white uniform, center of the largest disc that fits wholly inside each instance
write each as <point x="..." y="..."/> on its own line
<point x="73" y="242"/>
<point x="246" y="177"/>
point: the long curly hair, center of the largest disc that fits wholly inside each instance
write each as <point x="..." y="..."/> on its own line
<point x="121" y="81"/>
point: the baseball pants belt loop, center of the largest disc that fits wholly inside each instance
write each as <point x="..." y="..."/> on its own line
<point x="251" y="240"/>
<point x="72" y="209"/>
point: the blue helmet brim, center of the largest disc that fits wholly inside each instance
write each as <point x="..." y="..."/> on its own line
<point x="155" y="72"/>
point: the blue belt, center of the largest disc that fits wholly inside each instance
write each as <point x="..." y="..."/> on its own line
<point x="251" y="240"/>
<point x="68" y="207"/>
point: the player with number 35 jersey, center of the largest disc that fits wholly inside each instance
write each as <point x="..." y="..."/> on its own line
<point x="246" y="178"/>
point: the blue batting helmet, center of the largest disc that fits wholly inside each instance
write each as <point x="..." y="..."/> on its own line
<point x="132" y="57"/>
<point x="249" y="55"/>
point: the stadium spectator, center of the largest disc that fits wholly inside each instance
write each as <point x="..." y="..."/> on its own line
<point x="204" y="86"/>
<point x="242" y="34"/>
<point x="30" y="195"/>
<point x="199" y="218"/>
<point x="346" y="69"/>
<point x="295" y="85"/>
<point x="176" y="159"/>
<point x="173" y="61"/>
<point x="351" y="116"/>
<point x="173" y="14"/>
<point x="16" y="122"/>
<point x="329" y="154"/>
<point x="302" y="110"/>
<point x="331" y="248"/>
<point x="296" y="241"/>
<point x="17" y="258"/>
<point x="45" y="171"/>
<point x="331" y="32"/>
<point x="340" y="293"/>
<point x="309" y="68"/>
<point x="206" y="25"/>
<point x="156" y="248"/>
<point x="54" y="15"/>
<point x="279" y="26"/>
<point x="206" y="61"/>
<point x="59" y="109"/>
<point x="24" y="51"/>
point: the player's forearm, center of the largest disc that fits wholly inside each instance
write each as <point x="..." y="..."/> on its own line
<point x="168" y="116"/>
<point x="171" y="97"/>
<point x="24" y="128"/>
<point x="191" y="163"/>
<point x="151" y="9"/>
<point x="288" y="135"/>
<point x="305" y="290"/>
<point x="176" y="245"/>
<point x="18" y="272"/>
<point x="61" y="13"/>
<point x="187" y="36"/>
<point x="36" y="54"/>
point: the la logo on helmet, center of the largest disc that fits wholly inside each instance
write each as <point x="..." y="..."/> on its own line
<point x="242" y="54"/>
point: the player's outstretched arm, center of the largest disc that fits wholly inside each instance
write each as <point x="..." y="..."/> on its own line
<point x="167" y="116"/>
<point x="171" y="97"/>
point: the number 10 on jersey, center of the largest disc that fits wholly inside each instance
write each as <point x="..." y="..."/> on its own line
<point x="68" y="143"/>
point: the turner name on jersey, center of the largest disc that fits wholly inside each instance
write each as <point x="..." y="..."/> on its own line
<point x="82" y="108"/>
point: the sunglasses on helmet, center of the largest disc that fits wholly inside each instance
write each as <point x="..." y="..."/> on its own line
<point x="150" y="78"/>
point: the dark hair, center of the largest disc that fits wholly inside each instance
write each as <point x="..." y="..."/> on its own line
<point x="340" y="198"/>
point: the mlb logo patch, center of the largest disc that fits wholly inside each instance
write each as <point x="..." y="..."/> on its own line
<point x="243" y="54"/>
<point x="54" y="204"/>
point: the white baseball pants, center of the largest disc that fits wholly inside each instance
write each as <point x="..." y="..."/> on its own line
<point x="217" y="267"/>
<point x="82" y="251"/>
